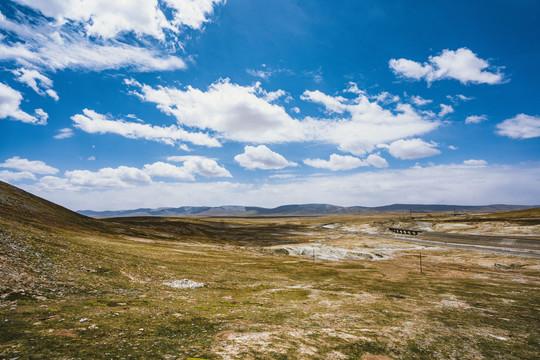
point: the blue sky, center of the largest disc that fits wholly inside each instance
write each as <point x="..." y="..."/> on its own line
<point x="151" y="103"/>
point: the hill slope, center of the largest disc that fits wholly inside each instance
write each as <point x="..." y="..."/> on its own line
<point x="20" y="207"/>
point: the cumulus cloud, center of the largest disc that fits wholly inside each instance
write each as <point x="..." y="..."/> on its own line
<point x="122" y="176"/>
<point x="377" y="161"/>
<point x="445" y="110"/>
<point x="360" y="125"/>
<point x="469" y="185"/>
<point x="42" y="116"/>
<point x="162" y="169"/>
<point x="462" y="65"/>
<point x="337" y="162"/>
<point x="64" y="133"/>
<point x="475" y="119"/>
<point x="238" y="113"/>
<point x="261" y="157"/>
<point x="93" y="122"/>
<point x="521" y="126"/>
<point x="201" y="165"/>
<point x="37" y="81"/>
<point x="35" y="167"/>
<point x="10" y="101"/>
<point x="244" y="114"/>
<point x="412" y="149"/>
<point x="346" y="162"/>
<point x="420" y="101"/>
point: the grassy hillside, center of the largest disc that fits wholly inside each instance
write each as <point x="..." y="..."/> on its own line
<point x="20" y="208"/>
<point x="73" y="287"/>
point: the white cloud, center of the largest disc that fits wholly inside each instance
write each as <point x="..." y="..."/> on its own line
<point x="263" y="74"/>
<point x="261" y="157"/>
<point x="37" y="81"/>
<point x="274" y="95"/>
<point x="122" y="176"/>
<point x="353" y="88"/>
<point x="475" y="162"/>
<point x="243" y="114"/>
<point x="201" y="165"/>
<point x="410" y="69"/>
<point x="92" y="122"/>
<point x="377" y="161"/>
<point x="64" y="133"/>
<point x="462" y="65"/>
<point x="459" y="97"/>
<point x="125" y="176"/>
<point x="162" y="169"/>
<point x="295" y="110"/>
<point x="437" y="184"/>
<point x="386" y="98"/>
<point x="192" y="13"/>
<point x="9" y="176"/>
<point x="521" y="126"/>
<point x="346" y="162"/>
<point x="445" y="110"/>
<point x="475" y="119"/>
<point x="368" y="124"/>
<point x="52" y="94"/>
<point x="337" y="162"/>
<point x="235" y="112"/>
<point x="91" y="158"/>
<point x="452" y="147"/>
<point x="412" y="149"/>
<point x="35" y="167"/>
<point x="59" y="45"/>
<point x="420" y="101"/>
<point x="10" y="101"/>
<point x="42" y="116"/>
<point x="106" y="18"/>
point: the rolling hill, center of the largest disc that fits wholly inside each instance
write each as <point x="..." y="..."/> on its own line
<point x="297" y="210"/>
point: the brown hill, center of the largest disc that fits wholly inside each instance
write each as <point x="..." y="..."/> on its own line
<point x="20" y="208"/>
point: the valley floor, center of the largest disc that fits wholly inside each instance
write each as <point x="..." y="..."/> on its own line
<point x="289" y="288"/>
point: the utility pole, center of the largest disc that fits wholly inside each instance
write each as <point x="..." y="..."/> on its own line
<point x="421" y="270"/>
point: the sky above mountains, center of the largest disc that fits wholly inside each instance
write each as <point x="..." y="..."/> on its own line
<point x="164" y="103"/>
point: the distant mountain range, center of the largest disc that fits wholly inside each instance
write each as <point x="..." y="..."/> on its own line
<point x="296" y="210"/>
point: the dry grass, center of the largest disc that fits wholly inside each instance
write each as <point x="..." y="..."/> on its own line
<point x="99" y="293"/>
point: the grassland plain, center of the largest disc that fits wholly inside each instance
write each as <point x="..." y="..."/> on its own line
<point x="72" y="287"/>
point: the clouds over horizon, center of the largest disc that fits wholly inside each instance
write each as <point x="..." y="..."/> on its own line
<point x="473" y="183"/>
<point x="119" y="177"/>
<point x="462" y="65"/>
